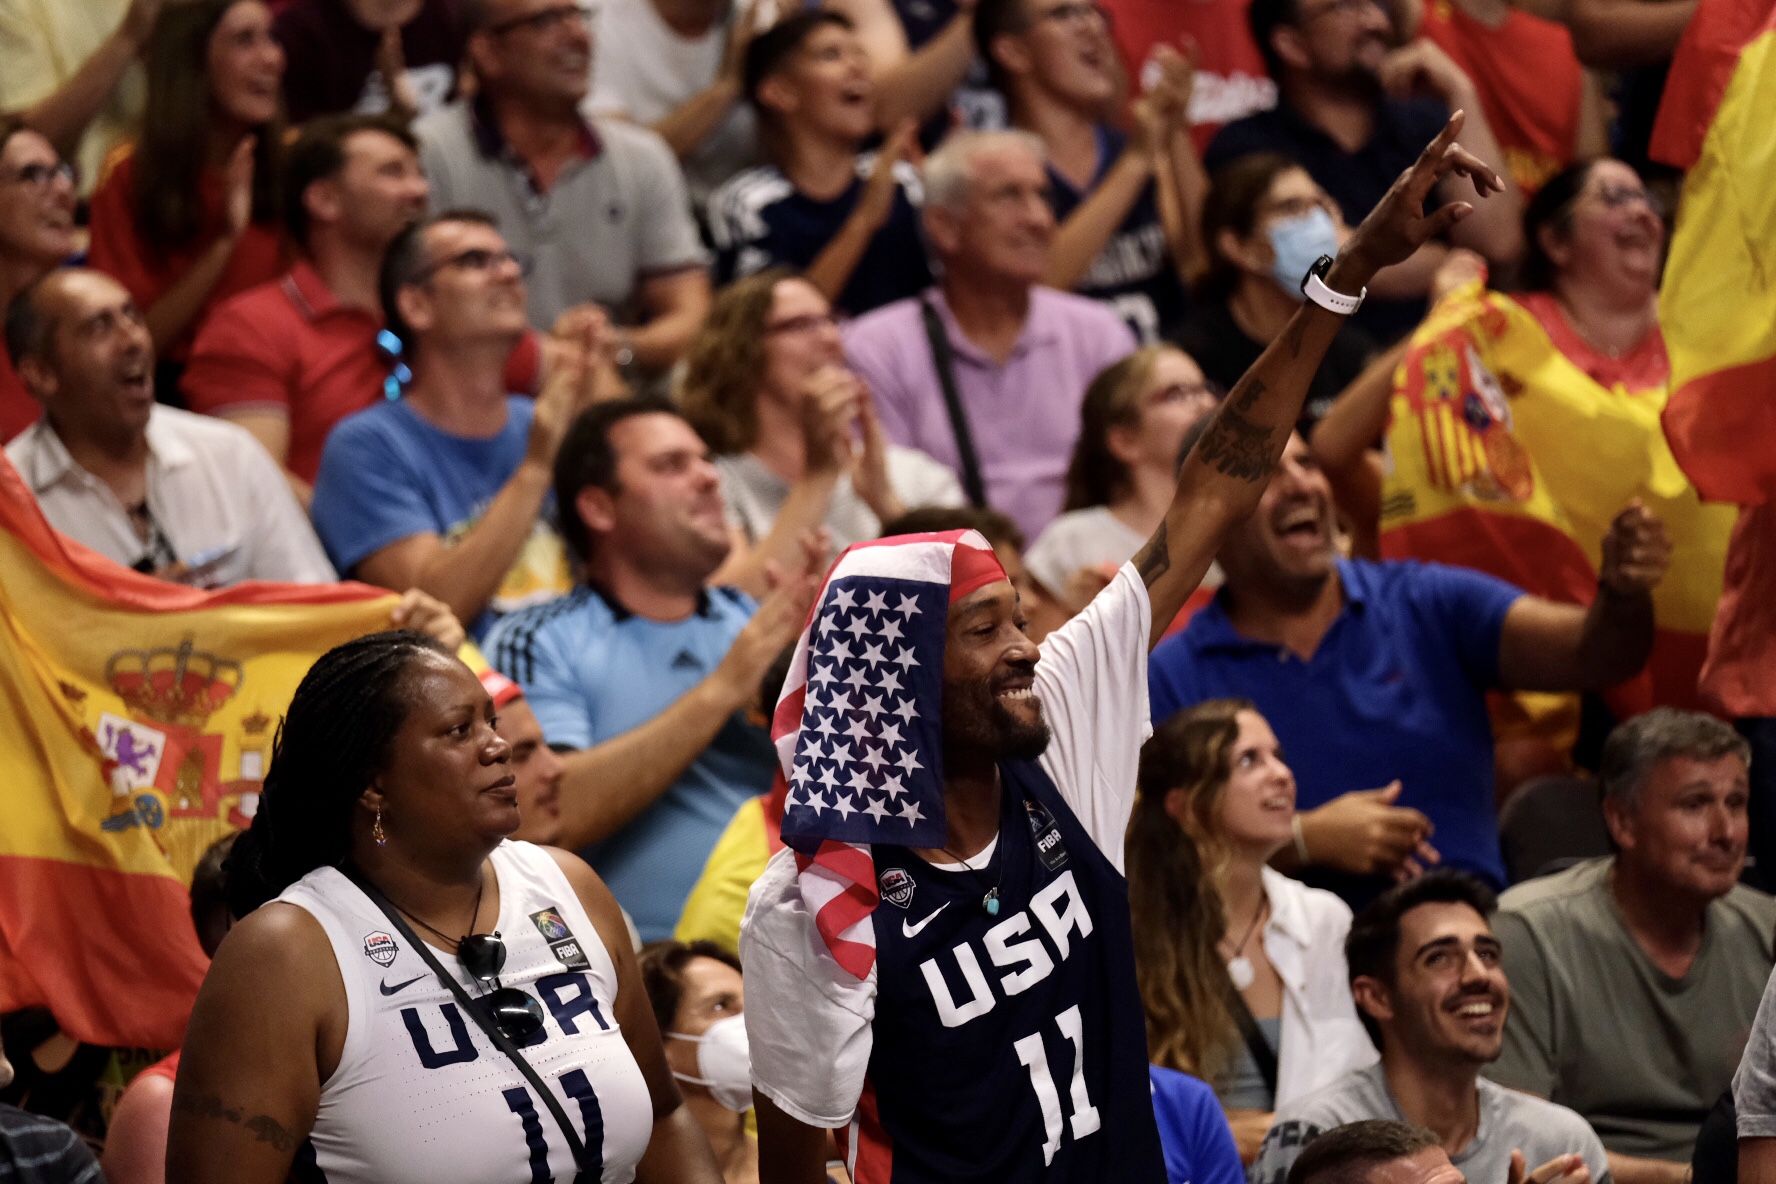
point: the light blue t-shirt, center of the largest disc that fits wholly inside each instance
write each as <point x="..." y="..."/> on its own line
<point x="388" y="474"/>
<point x="593" y="671"/>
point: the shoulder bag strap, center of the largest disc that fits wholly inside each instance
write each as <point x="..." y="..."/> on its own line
<point x="944" y="356"/>
<point x="474" y="1011"/>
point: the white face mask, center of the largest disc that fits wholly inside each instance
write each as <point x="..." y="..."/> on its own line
<point x="725" y="1062"/>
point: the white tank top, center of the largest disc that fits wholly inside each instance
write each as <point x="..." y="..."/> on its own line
<point x="421" y="1095"/>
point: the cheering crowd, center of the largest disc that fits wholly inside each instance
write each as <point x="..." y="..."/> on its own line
<point x="981" y="590"/>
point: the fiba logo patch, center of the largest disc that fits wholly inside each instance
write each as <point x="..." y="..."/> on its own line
<point x="897" y="886"/>
<point x="380" y="948"/>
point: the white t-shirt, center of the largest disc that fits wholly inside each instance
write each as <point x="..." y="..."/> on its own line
<point x="754" y="494"/>
<point x="421" y="1095"/>
<point x="643" y="71"/>
<point x="808" y="1021"/>
<point x="1092" y="537"/>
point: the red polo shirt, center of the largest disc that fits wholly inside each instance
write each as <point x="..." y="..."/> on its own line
<point x="290" y="347"/>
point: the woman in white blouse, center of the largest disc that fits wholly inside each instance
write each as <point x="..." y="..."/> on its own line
<point x="1241" y="969"/>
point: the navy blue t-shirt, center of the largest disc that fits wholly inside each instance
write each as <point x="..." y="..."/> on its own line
<point x="1026" y="1023"/>
<point x="759" y="219"/>
<point x="1396" y="691"/>
<point x="1133" y="273"/>
<point x="1355" y="180"/>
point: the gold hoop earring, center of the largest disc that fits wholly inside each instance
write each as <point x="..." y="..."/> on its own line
<point x="376" y="831"/>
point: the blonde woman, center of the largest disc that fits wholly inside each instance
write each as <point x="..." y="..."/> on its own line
<point x="1241" y="969"/>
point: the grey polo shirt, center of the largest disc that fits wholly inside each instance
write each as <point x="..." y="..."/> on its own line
<point x="611" y="220"/>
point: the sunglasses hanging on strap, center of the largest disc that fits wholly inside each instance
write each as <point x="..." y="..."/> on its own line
<point x="506" y="1014"/>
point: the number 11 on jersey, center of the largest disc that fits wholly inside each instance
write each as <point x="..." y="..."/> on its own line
<point x="1033" y="1055"/>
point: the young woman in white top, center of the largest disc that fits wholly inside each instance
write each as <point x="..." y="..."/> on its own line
<point x="1133" y="423"/>
<point x="1217" y="930"/>
<point x="328" y="1043"/>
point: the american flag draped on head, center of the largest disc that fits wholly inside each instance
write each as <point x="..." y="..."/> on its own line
<point x="859" y="726"/>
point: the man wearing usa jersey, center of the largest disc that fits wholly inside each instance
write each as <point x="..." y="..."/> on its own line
<point x="960" y="1004"/>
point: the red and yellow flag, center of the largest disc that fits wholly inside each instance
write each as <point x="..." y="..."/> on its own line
<point x="136" y="722"/>
<point x="1720" y="279"/>
<point x="1507" y="457"/>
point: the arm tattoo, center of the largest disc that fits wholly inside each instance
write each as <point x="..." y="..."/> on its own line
<point x="1236" y="447"/>
<point x="263" y="1127"/>
<point x="1155" y="558"/>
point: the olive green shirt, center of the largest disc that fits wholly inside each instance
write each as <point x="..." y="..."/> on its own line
<point x="1597" y="1027"/>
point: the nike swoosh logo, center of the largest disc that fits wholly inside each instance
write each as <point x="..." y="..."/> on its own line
<point x="908" y="929"/>
<point x="399" y="987"/>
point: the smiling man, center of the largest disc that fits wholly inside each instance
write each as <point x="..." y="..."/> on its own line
<point x="1374" y="673"/>
<point x="169" y="493"/>
<point x="1424" y="967"/>
<point x="939" y="963"/>
<point x="1684" y="947"/>
<point x="596" y="207"/>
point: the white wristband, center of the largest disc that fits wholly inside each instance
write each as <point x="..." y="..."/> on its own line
<point x="1316" y="290"/>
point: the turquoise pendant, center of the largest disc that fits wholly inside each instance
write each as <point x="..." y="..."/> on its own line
<point x="990" y="902"/>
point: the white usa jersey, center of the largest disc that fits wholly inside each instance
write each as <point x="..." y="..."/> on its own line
<point x="421" y="1095"/>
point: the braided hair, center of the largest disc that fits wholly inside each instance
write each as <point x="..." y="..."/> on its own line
<point x="334" y="740"/>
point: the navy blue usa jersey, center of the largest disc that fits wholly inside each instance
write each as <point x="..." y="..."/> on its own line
<point x="1007" y="1047"/>
<point x="1134" y="273"/>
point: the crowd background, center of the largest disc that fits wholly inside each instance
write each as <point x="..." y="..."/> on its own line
<point x="588" y="329"/>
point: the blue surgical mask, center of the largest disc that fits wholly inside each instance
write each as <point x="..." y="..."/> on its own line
<point x="1297" y="243"/>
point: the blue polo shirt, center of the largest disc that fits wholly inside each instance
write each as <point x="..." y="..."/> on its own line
<point x="1396" y="690"/>
<point x="593" y="671"/>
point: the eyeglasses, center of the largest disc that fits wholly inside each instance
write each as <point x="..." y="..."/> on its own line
<point x="544" y="21"/>
<point x="1078" y="12"/>
<point x="473" y="259"/>
<point x="1182" y="392"/>
<point x="1617" y="196"/>
<point x="42" y="176"/>
<point x="806" y="323"/>
<point x="517" y="1016"/>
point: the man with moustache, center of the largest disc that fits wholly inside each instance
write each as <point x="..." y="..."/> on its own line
<point x="1424" y="968"/>
<point x="1684" y="947"/>
<point x="1374" y="674"/>
<point x="595" y="208"/>
<point x="37" y="198"/>
<point x="165" y="491"/>
<point x="1351" y="110"/>
<point x="939" y="963"/>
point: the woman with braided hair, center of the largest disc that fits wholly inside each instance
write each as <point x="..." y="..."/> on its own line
<point x="409" y="996"/>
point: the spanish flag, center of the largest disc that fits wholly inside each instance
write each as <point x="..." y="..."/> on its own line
<point x="1720" y="279"/>
<point x="1507" y="457"/>
<point x="136" y="722"/>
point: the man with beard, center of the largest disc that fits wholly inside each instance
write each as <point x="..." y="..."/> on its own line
<point x="1684" y="947"/>
<point x="1351" y="111"/>
<point x="1424" y="967"/>
<point x="1375" y="675"/>
<point x="939" y="962"/>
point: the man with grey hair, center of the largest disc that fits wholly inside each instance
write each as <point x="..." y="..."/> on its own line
<point x="986" y="371"/>
<point x="1636" y="977"/>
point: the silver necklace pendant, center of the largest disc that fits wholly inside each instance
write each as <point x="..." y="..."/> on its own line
<point x="1240" y="971"/>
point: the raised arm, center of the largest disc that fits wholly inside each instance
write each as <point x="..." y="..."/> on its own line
<point x="63" y="114"/>
<point x="1224" y="476"/>
<point x="1546" y="646"/>
<point x="911" y="84"/>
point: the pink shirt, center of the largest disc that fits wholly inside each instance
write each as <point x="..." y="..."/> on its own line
<point x="1023" y="415"/>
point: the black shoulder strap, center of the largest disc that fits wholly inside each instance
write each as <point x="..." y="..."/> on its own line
<point x="944" y="356"/>
<point x="1256" y="1044"/>
<point x="475" y="1012"/>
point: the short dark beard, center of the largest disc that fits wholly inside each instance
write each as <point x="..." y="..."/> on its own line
<point x="976" y="723"/>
